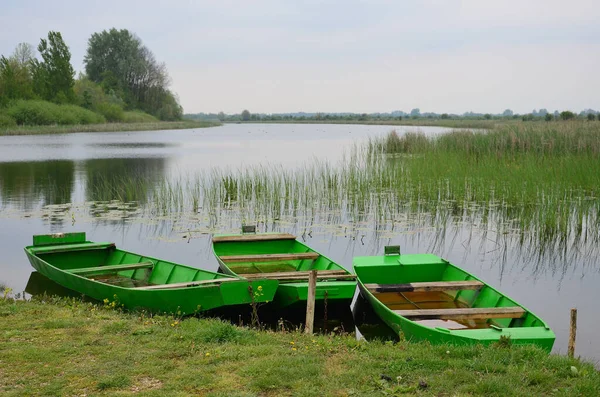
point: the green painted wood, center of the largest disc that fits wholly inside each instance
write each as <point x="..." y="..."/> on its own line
<point x="296" y="283"/>
<point x="58" y="238"/>
<point x="493" y="312"/>
<point x="87" y="271"/>
<point x="270" y="257"/>
<point x="65" y="258"/>
<point x="50" y="249"/>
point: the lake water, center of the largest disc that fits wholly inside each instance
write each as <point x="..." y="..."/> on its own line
<point x="49" y="183"/>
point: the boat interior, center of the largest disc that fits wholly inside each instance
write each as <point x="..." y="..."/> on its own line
<point x="432" y="292"/>
<point x="274" y="256"/>
<point x="103" y="262"/>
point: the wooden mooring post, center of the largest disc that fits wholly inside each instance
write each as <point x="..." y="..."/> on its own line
<point x="310" y="302"/>
<point x="572" y="333"/>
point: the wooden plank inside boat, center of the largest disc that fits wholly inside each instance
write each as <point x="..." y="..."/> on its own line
<point x="253" y="237"/>
<point x="470" y="313"/>
<point x="110" y="268"/>
<point x="215" y="281"/>
<point x="426" y="286"/>
<point x="300" y="276"/>
<point x="270" y="257"/>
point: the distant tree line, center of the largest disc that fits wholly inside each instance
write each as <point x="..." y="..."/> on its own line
<point x="416" y="114"/>
<point x="121" y="74"/>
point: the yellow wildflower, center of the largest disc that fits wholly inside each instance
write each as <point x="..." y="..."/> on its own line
<point x="207" y="354"/>
<point x="260" y="288"/>
<point x="292" y="343"/>
<point x="293" y="348"/>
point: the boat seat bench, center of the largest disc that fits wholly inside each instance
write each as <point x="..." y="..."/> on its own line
<point x="426" y="286"/>
<point x="270" y="257"/>
<point x="50" y="249"/>
<point x="110" y="268"/>
<point x="215" y="281"/>
<point x="470" y="313"/>
<point x="300" y="275"/>
<point x="253" y="237"/>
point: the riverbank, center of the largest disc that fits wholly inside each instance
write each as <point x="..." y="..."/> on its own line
<point x="483" y="124"/>
<point x="68" y="347"/>
<point x="106" y="127"/>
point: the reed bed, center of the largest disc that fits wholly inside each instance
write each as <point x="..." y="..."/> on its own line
<point x="534" y="186"/>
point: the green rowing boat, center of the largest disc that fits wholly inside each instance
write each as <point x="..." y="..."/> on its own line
<point x="424" y="297"/>
<point x="101" y="271"/>
<point x="279" y="256"/>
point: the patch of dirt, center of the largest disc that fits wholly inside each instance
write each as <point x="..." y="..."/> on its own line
<point x="146" y="383"/>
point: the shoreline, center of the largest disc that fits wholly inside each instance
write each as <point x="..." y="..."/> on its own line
<point x="106" y="127"/>
<point x="480" y="124"/>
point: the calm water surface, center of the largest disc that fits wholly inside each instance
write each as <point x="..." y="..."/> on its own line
<point x="45" y="186"/>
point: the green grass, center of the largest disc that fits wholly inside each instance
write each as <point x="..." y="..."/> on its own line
<point x="106" y="127"/>
<point x="67" y="347"/>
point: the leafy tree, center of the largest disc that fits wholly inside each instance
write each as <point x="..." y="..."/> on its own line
<point x="508" y="113"/>
<point x="53" y="78"/>
<point x="591" y="117"/>
<point x="221" y="116"/>
<point x="245" y="115"/>
<point x="548" y="117"/>
<point x="567" y="115"/>
<point x="444" y="116"/>
<point x="118" y="60"/>
<point x="415" y="113"/>
<point x="487" y="116"/>
<point x="15" y="75"/>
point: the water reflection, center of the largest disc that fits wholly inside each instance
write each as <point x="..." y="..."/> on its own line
<point x="124" y="179"/>
<point x="26" y="184"/>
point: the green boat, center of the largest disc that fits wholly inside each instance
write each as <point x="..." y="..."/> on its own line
<point x="424" y="297"/>
<point x="279" y="256"/>
<point x="101" y="271"/>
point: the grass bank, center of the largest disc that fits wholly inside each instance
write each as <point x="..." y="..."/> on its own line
<point x="106" y="127"/>
<point x="68" y="347"/>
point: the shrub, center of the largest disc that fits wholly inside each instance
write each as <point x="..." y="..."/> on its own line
<point x="111" y="111"/>
<point x="33" y="112"/>
<point x="137" y="116"/>
<point x="71" y="114"/>
<point x="46" y="113"/>
<point x="567" y="115"/>
<point x="7" y="121"/>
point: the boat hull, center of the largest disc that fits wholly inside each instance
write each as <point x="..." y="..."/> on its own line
<point x="290" y="293"/>
<point x="185" y="300"/>
<point x="540" y="335"/>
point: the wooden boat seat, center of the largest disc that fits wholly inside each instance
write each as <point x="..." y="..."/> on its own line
<point x="270" y="257"/>
<point x="427" y="286"/>
<point x="50" y="249"/>
<point x="253" y="237"/>
<point x="479" y="313"/>
<point x="300" y="276"/>
<point x="110" y="268"/>
<point x="215" y="281"/>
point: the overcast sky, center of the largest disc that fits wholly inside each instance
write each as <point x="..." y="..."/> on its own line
<point x="356" y="56"/>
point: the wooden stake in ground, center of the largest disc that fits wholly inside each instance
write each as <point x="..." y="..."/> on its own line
<point x="310" y="302"/>
<point x="572" y="333"/>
